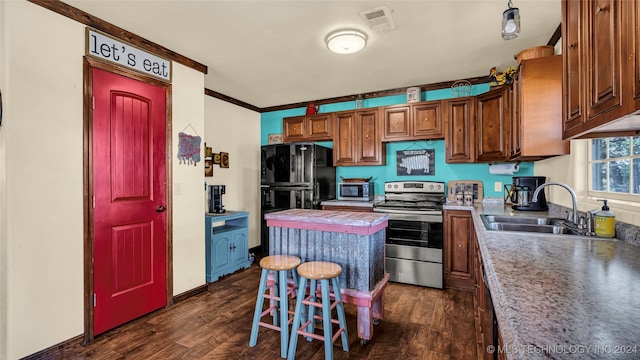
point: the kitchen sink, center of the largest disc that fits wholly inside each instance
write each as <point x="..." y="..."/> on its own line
<point x="527" y="224"/>
<point x="516" y="220"/>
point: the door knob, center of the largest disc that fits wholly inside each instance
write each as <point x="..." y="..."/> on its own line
<point x="160" y="208"/>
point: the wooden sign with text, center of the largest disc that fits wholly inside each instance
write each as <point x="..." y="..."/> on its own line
<point x="108" y="48"/>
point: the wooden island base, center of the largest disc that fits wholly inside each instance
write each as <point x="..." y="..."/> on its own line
<point x="370" y="307"/>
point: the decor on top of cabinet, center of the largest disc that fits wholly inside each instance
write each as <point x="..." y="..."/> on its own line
<point x="313" y="109"/>
<point x="188" y="147"/>
<point x="418" y="162"/>
<point x="501" y="78"/>
<point x="461" y="88"/>
<point x="413" y="94"/>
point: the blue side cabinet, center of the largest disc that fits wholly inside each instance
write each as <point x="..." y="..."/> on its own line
<point x="227" y="245"/>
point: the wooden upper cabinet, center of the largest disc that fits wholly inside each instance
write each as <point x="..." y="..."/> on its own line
<point x="493" y="124"/>
<point x="308" y="128"/>
<point x="293" y="129"/>
<point x="396" y="123"/>
<point x="427" y="120"/>
<point x="369" y="138"/>
<point x="573" y="82"/>
<point x="601" y="81"/>
<point x="357" y="138"/>
<point x="536" y="124"/>
<point x="633" y="37"/>
<point x="319" y="127"/>
<point x="603" y="50"/>
<point x="418" y="121"/>
<point x="344" y="146"/>
<point x="515" y="117"/>
<point x="460" y="133"/>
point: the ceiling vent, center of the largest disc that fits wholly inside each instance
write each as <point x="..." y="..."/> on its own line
<point x="378" y="19"/>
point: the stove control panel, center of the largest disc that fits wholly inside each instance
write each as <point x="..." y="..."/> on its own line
<point x="433" y="187"/>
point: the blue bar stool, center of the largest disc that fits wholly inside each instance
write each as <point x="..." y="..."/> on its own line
<point x="325" y="272"/>
<point x="278" y="295"/>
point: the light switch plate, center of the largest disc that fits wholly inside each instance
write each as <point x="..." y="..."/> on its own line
<point x="497" y="186"/>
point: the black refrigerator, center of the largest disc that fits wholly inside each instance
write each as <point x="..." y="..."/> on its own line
<point x="294" y="176"/>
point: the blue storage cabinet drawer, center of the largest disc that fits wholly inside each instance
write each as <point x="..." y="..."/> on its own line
<point x="227" y="245"/>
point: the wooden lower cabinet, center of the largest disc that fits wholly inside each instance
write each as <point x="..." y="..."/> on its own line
<point x="464" y="270"/>
<point x="459" y="235"/>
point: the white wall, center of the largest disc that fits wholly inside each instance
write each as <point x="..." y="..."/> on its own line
<point x="44" y="164"/>
<point x="188" y="218"/>
<point x="3" y="187"/>
<point x="572" y="170"/>
<point x="41" y="181"/>
<point x="236" y="130"/>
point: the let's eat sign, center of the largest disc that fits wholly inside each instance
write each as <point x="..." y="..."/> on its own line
<point x="105" y="47"/>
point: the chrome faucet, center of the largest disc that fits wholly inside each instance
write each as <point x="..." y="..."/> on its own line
<point x="573" y="218"/>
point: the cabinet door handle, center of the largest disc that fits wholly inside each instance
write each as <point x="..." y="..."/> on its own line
<point x="602" y="9"/>
<point x="573" y="46"/>
<point x="160" y="208"/>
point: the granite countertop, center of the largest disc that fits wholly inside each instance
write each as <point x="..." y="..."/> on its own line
<point x="560" y="296"/>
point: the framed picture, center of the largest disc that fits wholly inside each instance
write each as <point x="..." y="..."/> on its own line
<point x="416" y="162"/>
<point x="224" y="159"/>
<point x="216" y="158"/>
<point x="208" y="167"/>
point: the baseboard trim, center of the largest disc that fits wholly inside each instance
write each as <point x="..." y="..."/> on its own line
<point x="189" y="293"/>
<point x="54" y="351"/>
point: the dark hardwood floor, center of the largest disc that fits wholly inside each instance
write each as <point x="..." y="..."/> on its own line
<point x="419" y="323"/>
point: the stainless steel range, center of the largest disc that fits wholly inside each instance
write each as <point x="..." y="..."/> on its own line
<point x="414" y="235"/>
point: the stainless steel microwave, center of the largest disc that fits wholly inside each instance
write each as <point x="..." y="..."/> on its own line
<point x="359" y="191"/>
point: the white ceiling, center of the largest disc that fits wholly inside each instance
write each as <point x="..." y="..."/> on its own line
<point x="269" y="53"/>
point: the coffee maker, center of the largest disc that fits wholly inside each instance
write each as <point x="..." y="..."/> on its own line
<point x="522" y="193"/>
<point x="215" y="199"/>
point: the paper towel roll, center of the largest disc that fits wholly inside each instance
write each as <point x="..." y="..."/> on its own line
<point x="503" y="169"/>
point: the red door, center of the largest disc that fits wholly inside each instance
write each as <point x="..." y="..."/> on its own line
<point x="129" y="183"/>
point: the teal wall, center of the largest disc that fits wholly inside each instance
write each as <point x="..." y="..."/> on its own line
<point x="271" y="123"/>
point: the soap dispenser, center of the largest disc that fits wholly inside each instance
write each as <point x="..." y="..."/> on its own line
<point x="605" y="222"/>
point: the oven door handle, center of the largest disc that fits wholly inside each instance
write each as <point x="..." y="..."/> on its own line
<point x="395" y="214"/>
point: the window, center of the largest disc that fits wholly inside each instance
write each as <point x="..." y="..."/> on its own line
<point x="614" y="168"/>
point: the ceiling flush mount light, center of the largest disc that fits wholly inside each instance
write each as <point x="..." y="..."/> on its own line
<point x="510" y="22"/>
<point x="346" y="41"/>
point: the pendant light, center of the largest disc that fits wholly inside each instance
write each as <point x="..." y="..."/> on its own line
<point x="510" y="22"/>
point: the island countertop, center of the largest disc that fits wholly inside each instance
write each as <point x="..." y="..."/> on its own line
<point x="329" y="220"/>
<point x="561" y="296"/>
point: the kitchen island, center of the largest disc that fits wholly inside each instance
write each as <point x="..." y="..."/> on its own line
<point x="560" y="296"/>
<point x="353" y="240"/>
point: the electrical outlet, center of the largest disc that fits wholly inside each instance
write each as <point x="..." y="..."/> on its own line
<point x="177" y="189"/>
<point x="497" y="186"/>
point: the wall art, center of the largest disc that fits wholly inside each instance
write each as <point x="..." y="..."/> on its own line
<point x="415" y="162"/>
<point x="224" y="160"/>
